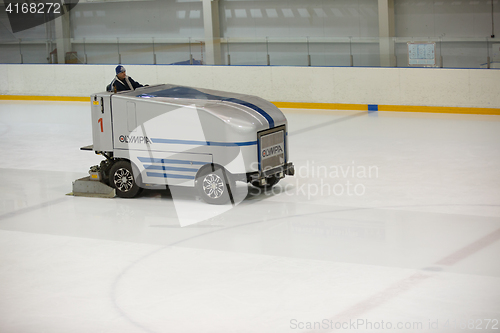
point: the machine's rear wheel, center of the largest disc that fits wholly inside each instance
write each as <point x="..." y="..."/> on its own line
<point x="121" y="177"/>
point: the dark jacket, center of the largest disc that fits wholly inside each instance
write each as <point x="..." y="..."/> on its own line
<point x="127" y="84"/>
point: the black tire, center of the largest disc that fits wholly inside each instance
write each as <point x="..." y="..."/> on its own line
<point x="212" y="184"/>
<point x="271" y="181"/>
<point x="122" y="178"/>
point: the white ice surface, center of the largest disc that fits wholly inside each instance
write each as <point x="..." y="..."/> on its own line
<point x="419" y="245"/>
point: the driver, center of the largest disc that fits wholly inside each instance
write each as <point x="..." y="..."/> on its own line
<point x="122" y="82"/>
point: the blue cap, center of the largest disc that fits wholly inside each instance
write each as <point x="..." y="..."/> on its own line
<point x="119" y="69"/>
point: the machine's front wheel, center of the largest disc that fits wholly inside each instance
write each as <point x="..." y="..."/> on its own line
<point x="214" y="184"/>
<point x="121" y="177"/>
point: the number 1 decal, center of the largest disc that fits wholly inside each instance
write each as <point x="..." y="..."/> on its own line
<point x="100" y="122"/>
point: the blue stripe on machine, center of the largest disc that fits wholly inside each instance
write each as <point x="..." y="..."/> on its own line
<point x="166" y="168"/>
<point x="167" y="175"/>
<point x="263" y="113"/>
<point x="203" y="143"/>
<point x="190" y="93"/>
<point x="168" y="161"/>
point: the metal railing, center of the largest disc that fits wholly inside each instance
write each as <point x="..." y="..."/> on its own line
<point x="262" y="51"/>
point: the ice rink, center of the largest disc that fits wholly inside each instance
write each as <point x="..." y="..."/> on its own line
<point x="391" y="223"/>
